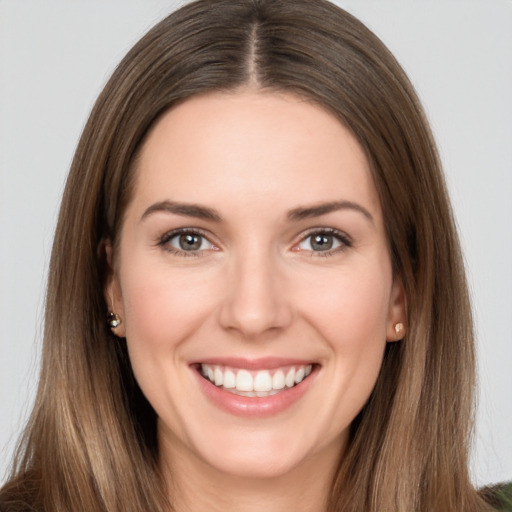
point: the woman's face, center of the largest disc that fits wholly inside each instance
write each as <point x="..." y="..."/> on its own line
<point x="254" y="282"/>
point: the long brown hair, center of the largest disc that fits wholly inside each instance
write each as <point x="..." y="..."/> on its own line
<point x="91" y="441"/>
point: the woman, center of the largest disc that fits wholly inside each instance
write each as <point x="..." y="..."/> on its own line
<point x="257" y="206"/>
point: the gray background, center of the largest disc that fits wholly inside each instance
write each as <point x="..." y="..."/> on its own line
<point x="56" y="55"/>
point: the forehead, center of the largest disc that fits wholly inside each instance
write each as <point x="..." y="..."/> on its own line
<point x="238" y="148"/>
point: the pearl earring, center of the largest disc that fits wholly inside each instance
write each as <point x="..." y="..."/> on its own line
<point x="398" y="327"/>
<point x="113" y="320"/>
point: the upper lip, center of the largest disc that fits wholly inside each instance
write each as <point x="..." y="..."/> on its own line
<point x="263" y="363"/>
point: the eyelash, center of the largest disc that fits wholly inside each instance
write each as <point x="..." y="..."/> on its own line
<point x="344" y="240"/>
<point x="165" y="239"/>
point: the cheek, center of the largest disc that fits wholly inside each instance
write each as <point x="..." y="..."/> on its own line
<point x="163" y="308"/>
<point x="350" y="307"/>
<point x="351" y="321"/>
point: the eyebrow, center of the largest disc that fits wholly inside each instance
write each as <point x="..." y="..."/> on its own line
<point x="202" y="212"/>
<point x="324" y="208"/>
<point x="186" y="209"/>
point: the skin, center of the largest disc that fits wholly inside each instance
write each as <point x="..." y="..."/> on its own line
<point x="255" y="288"/>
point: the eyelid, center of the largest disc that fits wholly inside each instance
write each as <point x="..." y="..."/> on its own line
<point x="344" y="239"/>
<point x="163" y="241"/>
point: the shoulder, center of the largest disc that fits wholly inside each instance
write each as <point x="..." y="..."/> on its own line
<point x="498" y="496"/>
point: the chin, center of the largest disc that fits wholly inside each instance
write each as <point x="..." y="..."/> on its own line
<point x="264" y="454"/>
<point x="257" y="464"/>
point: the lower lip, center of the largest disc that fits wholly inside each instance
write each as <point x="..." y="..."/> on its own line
<point x="255" y="407"/>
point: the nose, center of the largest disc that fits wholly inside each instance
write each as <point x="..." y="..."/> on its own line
<point x="255" y="301"/>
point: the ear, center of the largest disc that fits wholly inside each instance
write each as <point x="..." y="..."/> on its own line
<point x="112" y="288"/>
<point x="397" y="315"/>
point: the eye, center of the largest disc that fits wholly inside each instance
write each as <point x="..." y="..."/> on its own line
<point x="324" y="241"/>
<point x="186" y="241"/>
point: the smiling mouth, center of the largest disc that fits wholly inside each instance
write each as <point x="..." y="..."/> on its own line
<point x="260" y="383"/>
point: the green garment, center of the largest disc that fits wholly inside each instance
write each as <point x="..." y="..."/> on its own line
<point x="499" y="496"/>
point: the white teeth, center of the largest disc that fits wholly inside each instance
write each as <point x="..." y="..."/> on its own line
<point x="229" y="379"/>
<point x="244" y="381"/>
<point x="218" y="376"/>
<point x="278" y="380"/>
<point x="299" y="375"/>
<point x="256" y="383"/>
<point x="262" y="381"/>
<point x="290" y="378"/>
